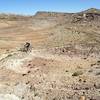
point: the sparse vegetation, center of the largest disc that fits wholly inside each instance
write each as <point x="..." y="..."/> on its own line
<point x="63" y="63"/>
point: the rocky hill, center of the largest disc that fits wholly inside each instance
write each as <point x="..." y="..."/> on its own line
<point x="92" y="10"/>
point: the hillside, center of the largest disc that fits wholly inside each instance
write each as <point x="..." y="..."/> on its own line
<point x="50" y="56"/>
<point x="92" y="10"/>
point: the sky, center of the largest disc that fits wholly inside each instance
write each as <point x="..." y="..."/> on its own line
<point x="30" y="7"/>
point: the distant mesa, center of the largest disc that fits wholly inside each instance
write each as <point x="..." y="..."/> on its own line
<point x="91" y="10"/>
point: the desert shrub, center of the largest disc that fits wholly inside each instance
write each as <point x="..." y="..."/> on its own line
<point x="90" y="71"/>
<point x="9" y="55"/>
<point x="66" y="71"/>
<point x="98" y="61"/>
<point x="97" y="85"/>
<point x="93" y="64"/>
<point x="98" y="73"/>
<point x="77" y="73"/>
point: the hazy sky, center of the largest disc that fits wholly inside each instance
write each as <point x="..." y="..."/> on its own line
<point x="32" y="6"/>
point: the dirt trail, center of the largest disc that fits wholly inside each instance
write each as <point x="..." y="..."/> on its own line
<point x="16" y="60"/>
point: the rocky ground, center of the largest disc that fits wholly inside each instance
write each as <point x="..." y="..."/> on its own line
<point x="63" y="62"/>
